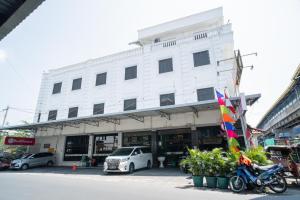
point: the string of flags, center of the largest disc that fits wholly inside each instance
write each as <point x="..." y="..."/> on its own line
<point x="228" y="117"/>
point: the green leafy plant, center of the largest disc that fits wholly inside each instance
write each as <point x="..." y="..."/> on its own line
<point x="194" y="161"/>
<point x="258" y="155"/>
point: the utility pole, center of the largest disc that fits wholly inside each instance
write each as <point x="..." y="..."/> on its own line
<point x="5" y="115"/>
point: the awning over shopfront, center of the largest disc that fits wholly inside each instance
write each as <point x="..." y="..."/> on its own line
<point x="165" y="111"/>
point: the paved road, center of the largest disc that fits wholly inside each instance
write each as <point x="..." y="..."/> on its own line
<point x="57" y="183"/>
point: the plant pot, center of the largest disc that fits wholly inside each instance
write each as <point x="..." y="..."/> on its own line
<point x="223" y="182"/>
<point x="211" y="181"/>
<point x="198" y="181"/>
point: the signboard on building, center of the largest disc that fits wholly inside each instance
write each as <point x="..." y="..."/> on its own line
<point x="19" y="141"/>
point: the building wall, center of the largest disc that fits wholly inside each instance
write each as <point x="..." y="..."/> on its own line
<point x="178" y="40"/>
<point x="184" y="80"/>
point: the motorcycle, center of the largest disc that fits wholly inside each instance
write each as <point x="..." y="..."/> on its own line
<point x="250" y="175"/>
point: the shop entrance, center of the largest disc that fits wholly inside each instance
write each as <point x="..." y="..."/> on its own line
<point x="172" y="144"/>
<point x="104" y="145"/>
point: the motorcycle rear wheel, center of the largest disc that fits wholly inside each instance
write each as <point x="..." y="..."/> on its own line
<point x="280" y="185"/>
<point x="237" y="184"/>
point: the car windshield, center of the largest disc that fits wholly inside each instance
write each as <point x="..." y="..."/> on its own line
<point x="122" y="152"/>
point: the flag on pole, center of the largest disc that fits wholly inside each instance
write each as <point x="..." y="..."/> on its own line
<point x="227" y="110"/>
<point x="229" y="104"/>
<point x="227" y="118"/>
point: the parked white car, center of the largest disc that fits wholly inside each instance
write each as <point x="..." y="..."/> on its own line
<point x="128" y="159"/>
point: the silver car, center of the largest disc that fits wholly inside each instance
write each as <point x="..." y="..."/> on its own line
<point x="32" y="160"/>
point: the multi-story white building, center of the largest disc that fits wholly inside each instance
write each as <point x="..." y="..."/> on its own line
<point x="161" y="94"/>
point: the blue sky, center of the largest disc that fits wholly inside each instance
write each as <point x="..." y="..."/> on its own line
<point x="61" y="33"/>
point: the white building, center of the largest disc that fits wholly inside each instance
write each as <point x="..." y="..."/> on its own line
<point x="161" y="94"/>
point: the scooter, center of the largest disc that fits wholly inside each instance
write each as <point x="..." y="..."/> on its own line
<point x="249" y="175"/>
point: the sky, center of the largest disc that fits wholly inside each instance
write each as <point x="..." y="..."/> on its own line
<point x="61" y="33"/>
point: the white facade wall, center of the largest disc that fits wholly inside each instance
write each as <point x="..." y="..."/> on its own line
<point x="183" y="81"/>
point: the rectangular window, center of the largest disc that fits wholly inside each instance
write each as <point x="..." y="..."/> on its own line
<point x="137" y="139"/>
<point x="76" y="84"/>
<point x="206" y="94"/>
<point x="52" y="115"/>
<point x="101" y="79"/>
<point x="201" y="58"/>
<point x="73" y="112"/>
<point x="165" y="65"/>
<point x="129" y="104"/>
<point x="105" y="144"/>
<point x="167" y="99"/>
<point x="98" y="109"/>
<point x="75" y="147"/>
<point x="56" y="88"/>
<point x="130" y="72"/>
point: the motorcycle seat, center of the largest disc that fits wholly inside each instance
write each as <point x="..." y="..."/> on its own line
<point x="263" y="168"/>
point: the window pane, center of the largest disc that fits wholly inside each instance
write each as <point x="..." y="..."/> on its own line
<point x="73" y="112"/>
<point x="76" y="84"/>
<point x="201" y="58"/>
<point x="56" y="88"/>
<point x="130" y="73"/>
<point x="98" y="109"/>
<point x="101" y="79"/>
<point x="105" y="143"/>
<point x="52" y="115"/>
<point x="165" y="65"/>
<point x="130" y="104"/>
<point x="76" y="145"/>
<point x="206" y="94"/>
<point x="167" y="99"/>
<point x="137" y="139"/>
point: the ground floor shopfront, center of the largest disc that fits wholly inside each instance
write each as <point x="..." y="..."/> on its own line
<point x="171" y="143"/>
<point x="167" y="137"/>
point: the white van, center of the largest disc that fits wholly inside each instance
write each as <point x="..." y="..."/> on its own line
<point x="128" y="159"/>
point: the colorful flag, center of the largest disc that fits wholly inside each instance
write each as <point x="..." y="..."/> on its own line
<point x="219" y="95"/>
<point x="227" y="118"/>
<point x="221" y="101"/>
<point x="229" y="126"/>
<point x="231" y="134"/>
<point x="227" y="110"/>
<point x="229" y="104"/>
<point x="224" y="109"/>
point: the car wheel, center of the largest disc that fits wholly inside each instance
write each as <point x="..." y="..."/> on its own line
<point x="24" y="167"/>
<point x="131" y="168"/>
<point x="50" y="163"/>
<point x="149" y="164"/>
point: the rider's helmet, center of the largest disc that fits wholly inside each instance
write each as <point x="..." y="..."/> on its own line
<point x="245" y="160"/>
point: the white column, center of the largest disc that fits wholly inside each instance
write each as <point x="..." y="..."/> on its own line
<point x="120" y="138"/>
<point x="90" y="151"/>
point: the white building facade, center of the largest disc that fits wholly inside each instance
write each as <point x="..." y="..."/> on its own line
<point x="161" y="94"/>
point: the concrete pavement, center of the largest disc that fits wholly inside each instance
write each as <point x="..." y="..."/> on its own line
<point x="62" y="183"/>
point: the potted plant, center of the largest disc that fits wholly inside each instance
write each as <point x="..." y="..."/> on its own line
<point x="211" y="168"/>
<point x="194" y="161"/>
<point x="227" y="164"/>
